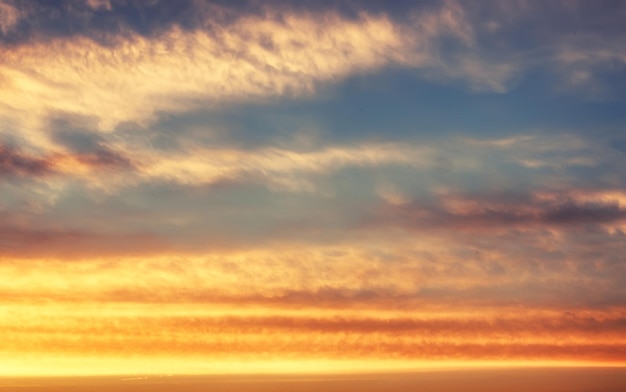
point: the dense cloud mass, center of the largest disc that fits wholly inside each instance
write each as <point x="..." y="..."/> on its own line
<point x="257" y="182"/>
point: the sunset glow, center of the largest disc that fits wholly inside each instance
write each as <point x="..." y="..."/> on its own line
<point x="208" y="187"/>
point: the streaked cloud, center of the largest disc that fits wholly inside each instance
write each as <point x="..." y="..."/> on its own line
<point x="490" y="212"/>
<point x="251" y="58"/>
<point x="438" y="338"/>
<point x="374" y="185"/>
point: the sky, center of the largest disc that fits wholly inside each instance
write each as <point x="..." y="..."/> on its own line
<point x="203" y="187"/>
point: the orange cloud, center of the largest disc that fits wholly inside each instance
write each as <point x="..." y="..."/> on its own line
<point x="115" y="331"/>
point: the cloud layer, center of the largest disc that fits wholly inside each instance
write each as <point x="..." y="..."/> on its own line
<point x="330" y="183"/>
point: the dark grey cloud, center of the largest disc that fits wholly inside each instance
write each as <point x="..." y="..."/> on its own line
<point x="495" y="212"/>
<point x="15" y="163"/>
<point x="78" y="140"/>
<point x="104" y="158"/>
<point x="574" y="213"/>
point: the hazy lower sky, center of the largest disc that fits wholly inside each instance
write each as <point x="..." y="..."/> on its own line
<point x="196" y="186"/>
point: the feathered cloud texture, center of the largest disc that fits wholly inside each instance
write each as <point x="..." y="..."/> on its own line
<point x="310" y="186"/>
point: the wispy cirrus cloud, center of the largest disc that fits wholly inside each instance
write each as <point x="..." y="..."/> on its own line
<point x="169" y="72"/>
<point x="251" y="57"/>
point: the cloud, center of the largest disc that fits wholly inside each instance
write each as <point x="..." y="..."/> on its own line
<point x="255" y="52"/>
<point x="116" y="330"/>
<point x="9" y="17"/>
<point x="168" y="72"/>
<point x="283" y="167"/>
<point x="556" y="151"/>
<point x="590" y="62"/>
<point x="190" y="181"/>
<point x="15" y="163"/>
<point x="221" y="197"/>
<point x="278" y="167"/>
<point x="571" y="213"/>
<point x="380" y="270"/>
<point x="577" y="42"/>
<point x="276" y="54"/>
<point x="493" y="212"/>
<point x="20" y="241"/>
